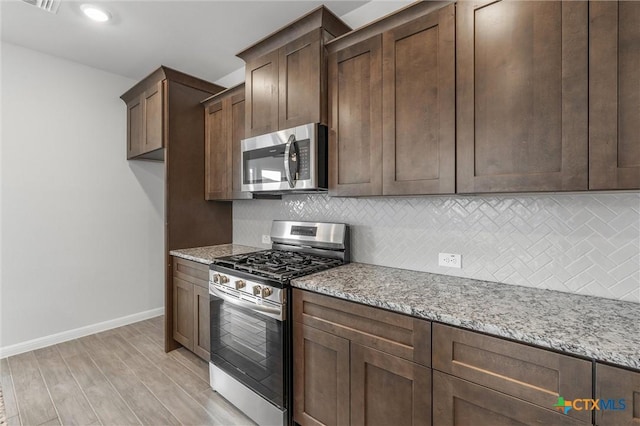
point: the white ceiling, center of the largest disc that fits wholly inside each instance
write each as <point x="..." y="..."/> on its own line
<point x="197" y="37"/>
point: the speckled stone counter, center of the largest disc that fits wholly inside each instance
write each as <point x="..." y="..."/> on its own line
<point x="603" y="329"/>
<point x="207" y="254"/>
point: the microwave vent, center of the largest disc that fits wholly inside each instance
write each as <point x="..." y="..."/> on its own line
<point x="48" y="5"/>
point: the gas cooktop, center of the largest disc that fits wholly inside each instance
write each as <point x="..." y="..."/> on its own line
<point x="280" y="265"/>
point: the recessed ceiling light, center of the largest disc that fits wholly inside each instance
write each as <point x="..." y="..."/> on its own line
<point x="95" y="13"/>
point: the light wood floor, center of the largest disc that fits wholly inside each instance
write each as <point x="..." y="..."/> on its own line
<point x="117" y="377"/>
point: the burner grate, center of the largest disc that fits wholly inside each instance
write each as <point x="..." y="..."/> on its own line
<point x="278" y="264"/>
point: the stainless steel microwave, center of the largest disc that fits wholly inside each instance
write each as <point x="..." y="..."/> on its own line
<point x="288" y="160"/>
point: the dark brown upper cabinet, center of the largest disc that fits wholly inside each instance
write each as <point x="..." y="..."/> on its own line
<point x="614" y="385"/>
<point x="355" y="125"/>
<point x="522" y="96"/>
<point x="418" y="108"/>
<point x="392" y="105"/>
<point x="614" y="95"/>
<point x="262" y="89"/>
<point x="148" y="105"/>
<point x="224" y="130"/>
<point x="144" y="122"/>
<point x="301" y="79"/>
<point x="286" y="74"/>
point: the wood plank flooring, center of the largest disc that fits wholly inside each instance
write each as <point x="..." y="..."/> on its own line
<point x="117" y="377"/>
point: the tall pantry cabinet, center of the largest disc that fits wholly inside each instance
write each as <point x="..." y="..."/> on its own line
<point x="165" y="122"/>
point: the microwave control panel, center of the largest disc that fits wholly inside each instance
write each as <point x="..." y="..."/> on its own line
<point x="304" y="166"/>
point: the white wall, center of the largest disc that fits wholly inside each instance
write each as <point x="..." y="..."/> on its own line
<point x="82" y="227"/>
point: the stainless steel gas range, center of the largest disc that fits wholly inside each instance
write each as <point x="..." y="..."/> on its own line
<point x="251" y="315"/>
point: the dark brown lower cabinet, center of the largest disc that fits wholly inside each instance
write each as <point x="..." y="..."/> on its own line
<point x="191" y="322"/>
<point x="321" y="377"/>
<point x="367" y="366"/>
<point x="459" y="402"/>
<point x="183" y="312"/>
<point x="201" y="322"/>
<point x="529" y="374"/>
<point x="616" y="387"/>
<point x="388" y="390"/>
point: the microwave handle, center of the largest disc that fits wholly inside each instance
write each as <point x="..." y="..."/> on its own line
<point x="287" y="154"/>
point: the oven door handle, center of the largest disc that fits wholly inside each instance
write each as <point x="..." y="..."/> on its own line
<point x="274" y="313"/>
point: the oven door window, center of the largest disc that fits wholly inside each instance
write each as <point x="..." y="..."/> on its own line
<point x="264" y="165"/>
<point x="250" y="347"/>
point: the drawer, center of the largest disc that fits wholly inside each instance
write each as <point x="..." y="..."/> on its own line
<point x="193" y="272"/>
<point x="459" y="402"/>
<point x="531" y="374"/>
<point x="395" y="334"/>
<point x="615" y="384"/>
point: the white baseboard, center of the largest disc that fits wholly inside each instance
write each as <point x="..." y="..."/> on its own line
<point x="64" y="336"/>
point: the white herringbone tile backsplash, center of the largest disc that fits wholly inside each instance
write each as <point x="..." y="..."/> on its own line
<point x="577" y="243"/>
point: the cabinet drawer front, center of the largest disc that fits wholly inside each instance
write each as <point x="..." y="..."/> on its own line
<point x="396" y="334"/>
<point x="615" y="384"/>
<point x="193" y="272"/>
<point x="534" y="375"/>
<point x="458" y="402"/>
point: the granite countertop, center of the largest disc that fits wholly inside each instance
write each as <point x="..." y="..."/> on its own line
<point x="602" y="329"/>
<point x="207" y="254"/>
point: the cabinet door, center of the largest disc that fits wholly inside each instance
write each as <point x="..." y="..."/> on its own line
<point x="262" y="95"/>
<point x="418" y="112"/>
<point x="458" y="402"/>
<point x="135" y="118"/>
<point x="320" y="377"/>
<point x="299" y="77"/>
<point x="153" y="113"/>
<point x="522" y="96"/>
<point x="355" y="122"/>
<point x="183" y="312"/>
<point x="217" y="152"/>
<point x="387" y="390"/>
<point x="237" y="134"/>
<point x="612" y="386"/>
<point x="614" y="95"/>
<point x="201" y="322"/>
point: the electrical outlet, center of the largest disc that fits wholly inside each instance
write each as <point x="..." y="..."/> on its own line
<point x="450" y="260"/>
<point x="266" y="239"/>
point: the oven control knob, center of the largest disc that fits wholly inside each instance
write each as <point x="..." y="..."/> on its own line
<point x="216" y="278"/>
<point x="224" y="279"/>
<point x="266" y="292"/>
<point x="257" y="290"/>
<point x="240" y="284"/>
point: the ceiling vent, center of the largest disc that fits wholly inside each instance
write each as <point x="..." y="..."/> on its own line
<point x="48" y="5"/>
